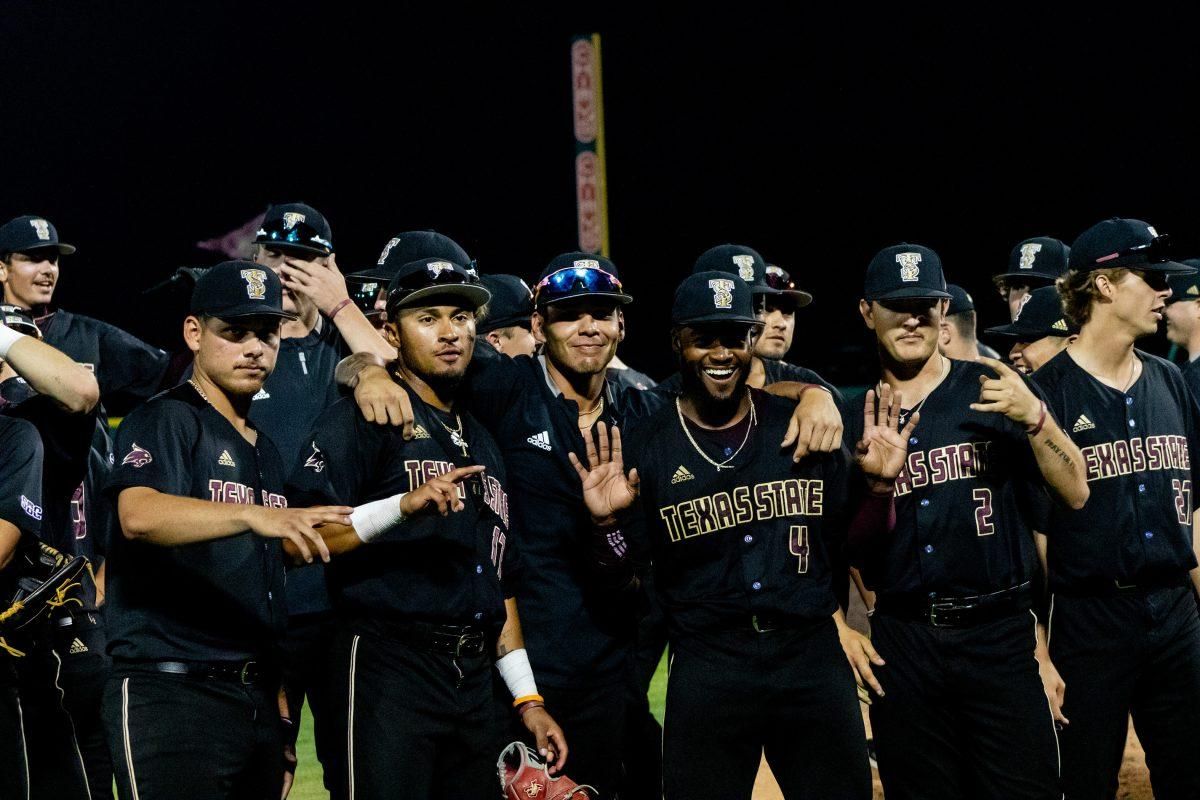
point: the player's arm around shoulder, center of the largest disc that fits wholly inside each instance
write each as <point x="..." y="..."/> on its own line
<point x="1058" y="458"/>
<point x="816" y="425"/>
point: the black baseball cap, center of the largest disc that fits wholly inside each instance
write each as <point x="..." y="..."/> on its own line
<point x="19" y="319"/>
<point x="297" y="227"/>
<point x="780" y="280"/>
<point x="238" y="289"/>
<point x="1185" y="286"/>
<point x="27" y="233"/>
<point x="1039" y="260"/>
<point x="713" y="296"/>
<point x="429" y="277"/>
<point x="1124" y="243"/>
<point x="578" y="274"/>
<point x="1040" y="315"/>
<point x="511" y="303"/>
<point x="960" y="300"/>
<point x="903" y="271"/>
<point x="413" y="246"/>
<point x="737" y="259"/>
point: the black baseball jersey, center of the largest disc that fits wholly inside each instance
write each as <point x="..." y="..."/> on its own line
<point x="1191" y="376"/>
<point x="431" y="568"/>
<point x="961" y="500"/>
<point x="629" y="378"/>
<point x="220" y="600"/>
<point x="21" y="475"/>
<point x="733" y="543"/>
<point x="575" y="630"/>
<point x="1136" y="445"/>
<point x="127" y="369"/>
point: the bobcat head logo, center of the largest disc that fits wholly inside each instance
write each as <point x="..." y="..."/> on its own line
<point x="722" y="292"/>
<point x="316" y="461"/>
<point x="745" y="265"/>
<point x="42" y="228"/>
<point x="256" y="286"/>
<point x="290" y="218"/>
<point x="910" y="271"/>
<point x="534" y="789"/>
<point x="1029" y="252"/>
<point x="138" y="456"/>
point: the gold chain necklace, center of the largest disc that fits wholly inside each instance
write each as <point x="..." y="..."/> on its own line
<point x="723" y="464"/>
<point x="456" y="434"/>
<point x="199" y="391"/>
<point x="586" y="418"/>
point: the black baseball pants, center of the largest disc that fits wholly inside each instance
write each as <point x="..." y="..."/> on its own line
<point x="14" y="771"/>
<point x="56" y="767"/>
<point x="964" y="712"/>
<point x="418" y="723"/>
<point x="85" y="667"/>
<point x="308" y="648"/>
<point x="788" y="693"/>
<point x="1136" y="652"/>
<point x="176" y="737"/>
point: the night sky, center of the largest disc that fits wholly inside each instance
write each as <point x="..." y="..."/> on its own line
<point x="140" y="128"/>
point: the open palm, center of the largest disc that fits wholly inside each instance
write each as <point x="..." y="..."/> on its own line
<point x="883" y="448"/>
<point x="607" y="490"/>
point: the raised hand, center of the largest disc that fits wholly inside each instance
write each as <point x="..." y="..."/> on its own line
<point x="607" y="490"/>
<point x="881" y="452"/>
<point x="1007" y="394"/>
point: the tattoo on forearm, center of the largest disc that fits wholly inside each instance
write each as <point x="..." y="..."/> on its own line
<point x="501" y="650"/>
<point x="1061" y="453"/>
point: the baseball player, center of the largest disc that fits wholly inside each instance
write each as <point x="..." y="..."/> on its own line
<point x="962" y="700"/>
<point x="196" y="605"/>
<point x="508" y="325"/>
<point x="400" y="250"/>
<point x="957" y="337"/>
<point x="1123" y="628"/>
<point x="1183" y="322"/>
<point x="1040" y="331"/>
<point x="756" y="664"/>
<point x="779" y="314"/>
<point x="426" y="609"/>
<point x="1032" y="263"/>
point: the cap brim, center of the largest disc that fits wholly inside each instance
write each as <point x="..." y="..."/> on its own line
<point x="375" y="274"/>
<point x="1022" y="333"/>
<point x="272" y="244"/>
<point x="715" y="318"/>
<point x="474" y="294"/>
<point x="1041" y="276"/>
<point x="622" y="299"/>
<point x="245" y="312"/>
<point x="1167" y="267"/>
<point x="800" y="298"/>
<point x="912" y="292"/>
<point x="63" y="249"/>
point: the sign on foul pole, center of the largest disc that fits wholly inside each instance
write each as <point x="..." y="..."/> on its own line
<point x="591" y="183"/>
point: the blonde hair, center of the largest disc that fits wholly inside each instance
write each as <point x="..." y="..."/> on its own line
<point x="1078" y="291"/>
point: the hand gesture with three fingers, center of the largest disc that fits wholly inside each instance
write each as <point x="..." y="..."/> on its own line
<point x="1007" y="394"/>
<point x="607" y="490"/>
<point x="438" y="494"/>
<point x="884" y="446"/>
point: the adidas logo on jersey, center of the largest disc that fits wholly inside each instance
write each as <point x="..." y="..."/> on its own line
<point x="420" y="433"/>
<point x="1083" y="424"/>
<point x="682" y="475"/>
<point x="541" y="440"/>
<point x="78" y="647"/>
<point x="1061" y="325"/>
<point x="262" y="395"/>
<point x="226" y="460"/>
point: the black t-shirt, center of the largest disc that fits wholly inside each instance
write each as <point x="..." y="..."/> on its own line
<point x="430" y="568"/>
<point x="749" y="540"/>
<point x="219" y="600"/>
<point x="127" y="369"/>
<point x="575" y="630"/>
<point x="1137" y="445"/>
<point x="961" y="499"/>
<point x="21" y="462"/>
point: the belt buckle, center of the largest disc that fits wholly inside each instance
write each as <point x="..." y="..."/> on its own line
<point x="1119" y="585"/>
<point x="760" y="627"/>
<point x="469" y="643"/>
<point x="947" y="608"/>
<point x="244" y="673"/>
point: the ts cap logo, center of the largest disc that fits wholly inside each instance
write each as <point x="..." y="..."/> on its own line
<point x="1021" y="306"/>
<point x="909" y="271"/>
<point x="138" y="456"/>
<point x="387" y="248"/>
<point x="722" y="292"/>
<point x="42" y="227"/>
<point x="290" y="218"/>
<point x="586" y="263"/>
<point x="1029" y="252"/>
<point x="436" y="268"/>
<point x="256" y="287"/>
<point x="745" y="265"/>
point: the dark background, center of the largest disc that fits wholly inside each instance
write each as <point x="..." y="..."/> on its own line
<point x="141" y="128"/>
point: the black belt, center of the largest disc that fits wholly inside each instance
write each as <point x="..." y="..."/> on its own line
<point x="1109" y="587"/>
<point x="452" y="640"/>
<point x="957" y="612"/>
<point x="244" y="672"/>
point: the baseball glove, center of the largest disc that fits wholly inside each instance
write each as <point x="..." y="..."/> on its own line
<point x="46" y="579"/>
<point x="523" y="776"/>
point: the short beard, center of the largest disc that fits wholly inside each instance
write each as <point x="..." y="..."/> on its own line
<point x="713" y="411"/>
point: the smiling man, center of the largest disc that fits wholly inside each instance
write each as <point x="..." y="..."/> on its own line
<point x="1125" y="637"/>
<point x="1040" y="331"/>
<point x="952" y="569"/>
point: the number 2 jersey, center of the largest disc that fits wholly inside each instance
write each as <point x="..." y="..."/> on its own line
<point x="735" y="543"/>
<point x="1137" y="524"/>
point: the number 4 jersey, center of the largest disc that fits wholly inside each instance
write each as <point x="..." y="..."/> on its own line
<point x="1136" y="526"/>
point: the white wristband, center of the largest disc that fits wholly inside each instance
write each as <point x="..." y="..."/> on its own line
<point x="518" y="675"/>
<point x="8" y="337"/>
<point x="372" y="520"/>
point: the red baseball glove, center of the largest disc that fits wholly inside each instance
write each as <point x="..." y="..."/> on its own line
<point x="523" y="776"/>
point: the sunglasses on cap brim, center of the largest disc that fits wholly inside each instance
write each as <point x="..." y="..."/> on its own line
<point x="574" y="281"/>
<point x="778" y="279"/>
<point x="423" y="280"/>
<point x="299" y="235"/>
<point x="1156" y="251"/>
